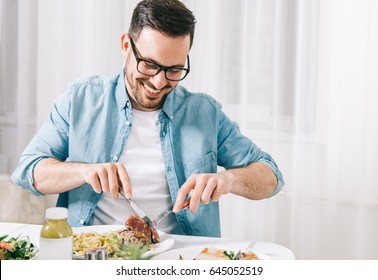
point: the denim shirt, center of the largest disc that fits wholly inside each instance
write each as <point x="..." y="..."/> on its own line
<point x="90" y="123"/>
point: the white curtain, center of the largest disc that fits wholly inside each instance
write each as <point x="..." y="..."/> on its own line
<point x="297" y="75"/>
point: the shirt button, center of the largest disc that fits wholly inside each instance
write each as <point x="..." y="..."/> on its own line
<point x="127" y="122"/>
<point x="115" y="158"/>
<point x="82" y="222"/>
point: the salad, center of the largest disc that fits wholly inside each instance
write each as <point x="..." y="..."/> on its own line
<point x="16" y="248"/>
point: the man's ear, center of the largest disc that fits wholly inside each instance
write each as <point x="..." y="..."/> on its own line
<point x="125" y="44"/>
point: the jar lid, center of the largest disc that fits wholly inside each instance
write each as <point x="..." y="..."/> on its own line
<point x="56" y="213"/>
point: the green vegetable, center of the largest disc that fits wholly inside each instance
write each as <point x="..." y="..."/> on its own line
<point x="3" y="237"/>
<point x="19" y="248"/>
<point x="229" y="254"/>
<point x="132" y="252"/>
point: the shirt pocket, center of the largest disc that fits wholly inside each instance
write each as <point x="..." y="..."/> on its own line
<point x="205" y="164"/>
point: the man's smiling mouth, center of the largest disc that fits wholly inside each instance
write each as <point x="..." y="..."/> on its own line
<point x="151" y="90"/>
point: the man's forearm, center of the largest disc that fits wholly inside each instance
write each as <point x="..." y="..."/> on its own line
<point x="52" y="176"/>
<point x="255" y="181"/>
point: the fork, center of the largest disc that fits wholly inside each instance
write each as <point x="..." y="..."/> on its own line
<point x="145" y="218"/>
<point x="165" y="213"/>
<point x="239" y="254"/>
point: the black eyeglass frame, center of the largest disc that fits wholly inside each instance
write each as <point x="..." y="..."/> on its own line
<point x="160" y="67"/>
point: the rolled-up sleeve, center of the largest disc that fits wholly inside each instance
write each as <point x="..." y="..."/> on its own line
<point x="51" y="141"/>
<point x="237" y="150"/>
<point x="272" y="164"/>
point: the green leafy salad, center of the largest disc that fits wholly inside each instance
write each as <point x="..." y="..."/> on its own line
<point x="16" y="248"/>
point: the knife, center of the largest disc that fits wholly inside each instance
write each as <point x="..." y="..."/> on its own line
<point x="138" y="211"/>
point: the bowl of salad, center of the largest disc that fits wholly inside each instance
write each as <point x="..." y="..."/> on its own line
<point x="17" y="248"/>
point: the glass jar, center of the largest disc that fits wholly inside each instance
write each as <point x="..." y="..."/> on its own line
<point x="56" y="236"/>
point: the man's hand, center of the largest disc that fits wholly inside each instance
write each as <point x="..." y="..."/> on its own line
<point x="52" y="176"/>
<point x="202" y="189"/>
<point x="108" y="177"/>
<point x="254" y="181"/>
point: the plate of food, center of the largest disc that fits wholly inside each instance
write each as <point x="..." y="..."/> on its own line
<point x="221" y="252"/>
<point x="17" y="248"/>
<point x="135" y="240"/>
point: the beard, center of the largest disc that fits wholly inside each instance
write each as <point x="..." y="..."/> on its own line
<point x="140" y="99"/>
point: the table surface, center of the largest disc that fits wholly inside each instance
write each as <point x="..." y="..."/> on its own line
<point x="180" y="241"/>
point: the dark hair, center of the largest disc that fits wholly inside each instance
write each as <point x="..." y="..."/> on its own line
<point x="170" y="17"/>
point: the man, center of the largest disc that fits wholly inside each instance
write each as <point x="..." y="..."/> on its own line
<point x="143" y="134"/>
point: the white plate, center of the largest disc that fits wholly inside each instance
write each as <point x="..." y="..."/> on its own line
<point x="36" y="253"/>
<point x="263" y="250"/>
<point x="189" y="253"/>
<point x="166" y="241"/>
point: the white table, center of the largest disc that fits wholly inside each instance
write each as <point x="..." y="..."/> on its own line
<point x="180" y="241"/>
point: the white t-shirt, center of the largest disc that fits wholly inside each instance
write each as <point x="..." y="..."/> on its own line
<point x="143" y="159"/>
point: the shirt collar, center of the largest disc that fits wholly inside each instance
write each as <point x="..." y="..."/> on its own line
<point x="168" y="104"/>
<point x="121" y="93"/>
<point x="124" y="101"/>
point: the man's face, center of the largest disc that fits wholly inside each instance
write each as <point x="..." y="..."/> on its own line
<point x="148" y="93"/>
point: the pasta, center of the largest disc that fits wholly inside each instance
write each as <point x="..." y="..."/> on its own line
<point x="128" y="242"/>
<point x="111" y="241"/>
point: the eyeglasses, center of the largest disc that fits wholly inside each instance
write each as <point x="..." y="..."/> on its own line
<point x="149" y="68"/>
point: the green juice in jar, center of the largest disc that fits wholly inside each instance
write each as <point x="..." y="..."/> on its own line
<point x="56" y="236"/>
